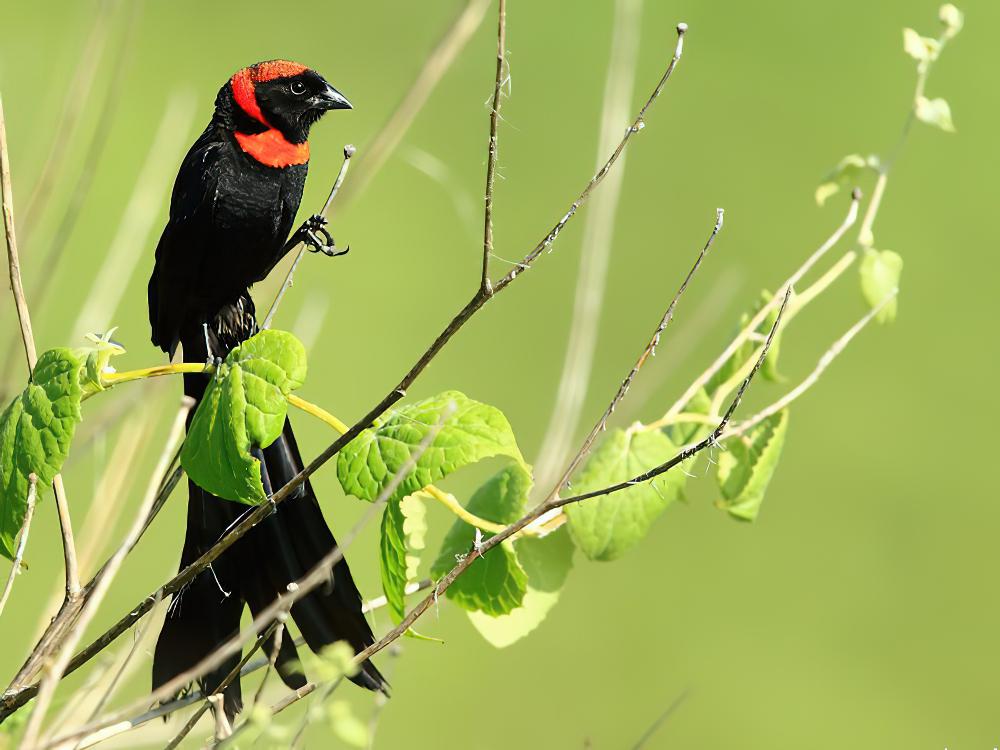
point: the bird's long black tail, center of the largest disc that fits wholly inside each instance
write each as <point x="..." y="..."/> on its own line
<point x="254" y="571"/>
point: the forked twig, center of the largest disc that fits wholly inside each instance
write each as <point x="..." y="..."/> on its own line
<point x="824" y="361"/>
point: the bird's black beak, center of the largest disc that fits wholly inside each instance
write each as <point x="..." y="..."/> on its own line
<point x="330" y="98"/>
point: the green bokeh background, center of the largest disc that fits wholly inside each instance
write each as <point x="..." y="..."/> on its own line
<point x="858" y="611"/>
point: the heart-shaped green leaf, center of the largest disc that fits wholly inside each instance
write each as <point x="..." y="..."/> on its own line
<point x="469" y="431"/>
<point x="606" y="527"/>
<point x="244" y="407"/>
<point x="494" y="584"/>
<point x="746" y="467"/>
<point x="36" y="430"/>
<point x="880" y="271"/>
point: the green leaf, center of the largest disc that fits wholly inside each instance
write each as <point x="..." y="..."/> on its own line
<point x="392" y="556"/>
<point x="952" y="19"/>
<point x="496" y="583"/>
<point x="605" y="527"/>
<point x="414" y="532"/>
<point x="244" y="407"/>
<point x="846" y="174"/>
<point x="746" y="467"/>
<point x="404" y="528"/>
<point x="547" y="562"/>
<point x="920" y="48"/>
<point x="935" y="112"/>
<point x="469" y="433"/>
<point x="36" y="430"/>
<point x="880" y="272"/>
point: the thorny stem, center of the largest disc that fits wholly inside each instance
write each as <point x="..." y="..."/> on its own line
<point x="556" y="502"/>
<point x="647" y="352"/>
<point x="317" y="576"/>
<point x="491" y="159"/>
<point x="638" y="124"/>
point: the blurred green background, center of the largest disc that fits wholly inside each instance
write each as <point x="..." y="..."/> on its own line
<point x="857" y="612"/>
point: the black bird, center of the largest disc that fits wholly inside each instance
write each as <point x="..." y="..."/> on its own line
<point x="232" y="207"/>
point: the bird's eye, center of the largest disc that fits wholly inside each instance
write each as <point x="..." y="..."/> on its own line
<point x="298" y="88"/>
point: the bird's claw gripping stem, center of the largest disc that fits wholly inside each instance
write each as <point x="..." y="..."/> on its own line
<point x="316" y="236"/>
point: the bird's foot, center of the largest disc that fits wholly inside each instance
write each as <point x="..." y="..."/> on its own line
<point x="316" y="236"/>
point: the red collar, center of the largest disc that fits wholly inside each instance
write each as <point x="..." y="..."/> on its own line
<point x="272" y="149"/>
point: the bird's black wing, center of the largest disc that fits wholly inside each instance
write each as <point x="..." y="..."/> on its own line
<point x="187" y="237"/>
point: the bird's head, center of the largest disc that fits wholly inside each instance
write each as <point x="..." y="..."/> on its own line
<point x="278" y="97"/>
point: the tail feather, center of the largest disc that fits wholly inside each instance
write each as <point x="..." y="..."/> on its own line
<point x="255" y="571"/>
<point x="206" y="613"/>
<point x="332" y="611"/>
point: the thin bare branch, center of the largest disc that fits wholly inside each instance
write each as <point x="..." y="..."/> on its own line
<point x="595" y="251"/>
<point x="234" y="673"/>
<point x="119" y="675"/>
<point x="647" y="352"/>
<point x="655" y="726"/>
<point x="318" y="575"/>
<point x="349" y="151"/>
<point x="491" y="158"/>
<point x="166" y="709"/>
<point x="481" y="549"/>
<point x="57" y="666"/>
<point x="279" y="635"/>
<point x="638" y="124"/>
<point x="762" y="314"/>
<point x="23" y="541"/>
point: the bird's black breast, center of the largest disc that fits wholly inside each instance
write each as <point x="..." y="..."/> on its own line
<point x="229" y="219"/>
